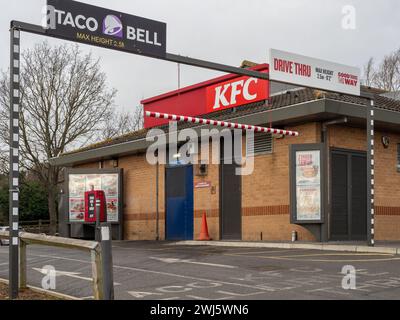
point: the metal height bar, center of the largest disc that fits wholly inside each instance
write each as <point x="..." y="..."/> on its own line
<point x="36" y="29"/>
<point x="14" y="162"/>
<point x="370" y="173"/>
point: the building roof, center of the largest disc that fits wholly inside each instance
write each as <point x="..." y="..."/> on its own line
<point x="206" y="83"/>
<point x="282" y="100"/>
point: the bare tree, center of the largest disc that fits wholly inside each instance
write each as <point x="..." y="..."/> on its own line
<point x="121" y="123"/>
<point x="386" y="75"/>
<point x="64" y="99"/>
<point x="369" y="73"/>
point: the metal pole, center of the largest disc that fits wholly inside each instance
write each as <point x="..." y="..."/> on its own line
<point x="370" y="173"/>
<point x="14" y="162"/>
<point x="217" y="123"/>
<point x="107" y="261"/>
<point x="37" y="29"/>
<point x="157" y="207"/>
<point x="103" y="235"/>
<point x="97" y="235"/>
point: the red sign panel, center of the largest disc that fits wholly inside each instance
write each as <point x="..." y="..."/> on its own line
<point x="209" y="96"/>
<point x="236" y="92"/>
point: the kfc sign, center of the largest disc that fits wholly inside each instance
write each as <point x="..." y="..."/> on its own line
<point x="236" y="92"/>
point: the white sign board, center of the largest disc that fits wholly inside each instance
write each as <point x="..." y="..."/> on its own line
<point x="309" y="72"/>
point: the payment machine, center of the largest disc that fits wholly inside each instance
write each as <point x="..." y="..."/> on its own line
<point x="91" y="197"/>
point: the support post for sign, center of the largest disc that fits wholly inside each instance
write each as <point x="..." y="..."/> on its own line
<point x="14" y="162"/>
<point x="104" y="237"/>
<point x="370" y="173"/>
<point x="107" y="262"/>
<point x="157" y="206"/>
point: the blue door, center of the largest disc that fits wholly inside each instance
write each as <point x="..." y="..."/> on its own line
<point x="179" y="202"/>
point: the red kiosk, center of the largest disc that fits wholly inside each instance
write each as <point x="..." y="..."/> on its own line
<point x="90" y="205"/>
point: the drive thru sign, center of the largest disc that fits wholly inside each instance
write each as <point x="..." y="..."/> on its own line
<point x="315" y="73"/>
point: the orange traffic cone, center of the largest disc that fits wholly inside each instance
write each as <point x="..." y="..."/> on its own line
<point x="204" y="236"/>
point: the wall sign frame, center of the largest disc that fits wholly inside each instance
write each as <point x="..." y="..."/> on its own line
<point x="77" y="181"/>
<point x="307" y="183"/>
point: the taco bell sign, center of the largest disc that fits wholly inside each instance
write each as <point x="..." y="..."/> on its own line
<point x="80" y="22"/>
<point x="112" y="26"/>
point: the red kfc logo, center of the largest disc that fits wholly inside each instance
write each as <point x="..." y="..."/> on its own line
<point x="236" y="92"/>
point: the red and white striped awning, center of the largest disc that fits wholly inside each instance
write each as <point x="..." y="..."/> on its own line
<point x="217" y="123"/>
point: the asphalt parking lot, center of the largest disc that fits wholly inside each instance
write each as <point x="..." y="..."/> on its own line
<point x="164" y="271"/>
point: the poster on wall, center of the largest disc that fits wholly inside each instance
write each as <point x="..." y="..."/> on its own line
<point x="308" y="185"/>
<point x="79" y="183"/>
<point x="76" y="209"/>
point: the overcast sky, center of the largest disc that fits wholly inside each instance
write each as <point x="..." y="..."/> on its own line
<point x="227" y="31"/>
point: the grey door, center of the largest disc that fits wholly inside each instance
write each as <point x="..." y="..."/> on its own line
<point x="230" y="199"/>
<point x="348" y="219"/>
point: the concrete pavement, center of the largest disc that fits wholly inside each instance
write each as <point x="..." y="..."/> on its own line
<point x="390" y="248"/>
<point x="166" y="271"/>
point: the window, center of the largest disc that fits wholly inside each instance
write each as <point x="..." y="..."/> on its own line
<point x="262" y="144"/>
<point x="398" y="157"/>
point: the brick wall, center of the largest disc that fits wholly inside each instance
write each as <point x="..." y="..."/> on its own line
<point x="265" y="193"/>
<point x="265" y="197"/>
<point x="387" y="179"/>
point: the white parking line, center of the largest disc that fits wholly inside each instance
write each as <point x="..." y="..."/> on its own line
<point x="176" y="260"/>
<point x="204" y="298"/>
<point x="164" y="273"/>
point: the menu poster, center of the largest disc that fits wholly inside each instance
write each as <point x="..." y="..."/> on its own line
<point x="77" y="185"/>
<point x="93" y="180"/>
<point x="109" y="184"/>
<point x="112" y="208"/>
<point x="308" y="203"/>
<point x="76" y="209"/>
<point x="308" y="185"/>
<point x="80" y="183"/>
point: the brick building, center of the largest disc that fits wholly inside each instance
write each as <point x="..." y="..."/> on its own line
<point x="258" y="206"/>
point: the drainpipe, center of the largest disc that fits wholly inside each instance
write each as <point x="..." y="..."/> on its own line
<point x="325" y="140"/>
<point x="325" y="125"/>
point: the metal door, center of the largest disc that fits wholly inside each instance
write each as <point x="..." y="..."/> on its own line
<point x="179" y="203"/>
<point x="230" y="199"/>
<point x="348" y="219"/>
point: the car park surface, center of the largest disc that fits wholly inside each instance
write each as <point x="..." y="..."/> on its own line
<point x="162" y="271"/>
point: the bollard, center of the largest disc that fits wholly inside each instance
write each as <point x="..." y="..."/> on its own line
<point x="107" y="263"/>
<point x="294" y="235"/>
<point x="103" y="235"/>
